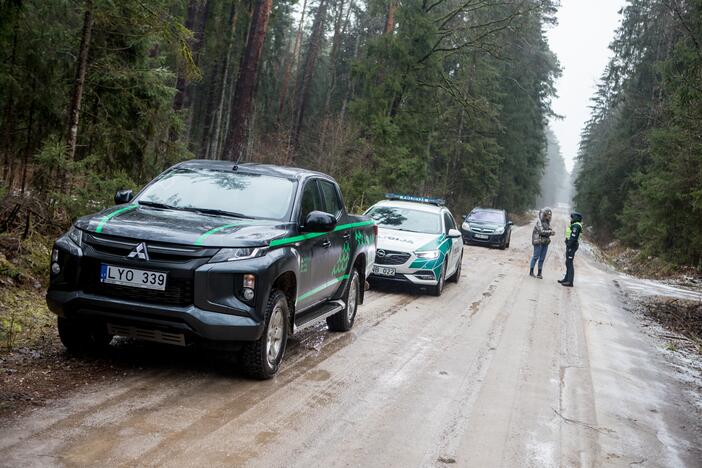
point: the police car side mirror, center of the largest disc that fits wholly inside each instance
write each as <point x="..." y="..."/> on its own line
<point x="319" y="221"/>
<point x="123" y="196"/>
<point x="454" y="233"/>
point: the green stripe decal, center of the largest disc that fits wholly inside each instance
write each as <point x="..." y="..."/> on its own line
<point x="107" y="218"/>
<point x="312" y="235"/>
<point x="204" y="236"/>
<point x="322" y="287"/>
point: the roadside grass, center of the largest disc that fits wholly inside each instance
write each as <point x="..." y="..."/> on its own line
<point x="679" y="316"/>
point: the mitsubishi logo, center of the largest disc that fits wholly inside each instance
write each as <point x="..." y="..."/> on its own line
<point x="139" y="252"/>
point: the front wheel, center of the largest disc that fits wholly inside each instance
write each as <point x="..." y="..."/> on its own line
<point x="439" y="288"/>
<point x="261" y="358"/>
<point x="80" y="336"/>
<point x="343" y="321"/>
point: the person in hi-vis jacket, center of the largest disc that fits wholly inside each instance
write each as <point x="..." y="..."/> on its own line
<point x="572" y="244"/>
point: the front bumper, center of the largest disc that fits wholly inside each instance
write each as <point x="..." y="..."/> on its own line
<point x="193" y="322"/>
<point x="470" y="237"/>
<point x="202" y="304"/>
<point x="404" y="278"/>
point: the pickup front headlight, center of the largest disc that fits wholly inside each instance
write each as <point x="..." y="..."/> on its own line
<point x="76" y="235"/>
<point x="428" y="255"/>
<point x="238" y="253"/>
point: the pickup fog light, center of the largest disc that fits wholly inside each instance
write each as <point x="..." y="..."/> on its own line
<point x="55" y="268"/>
<point x="249" y="285"/>
<point x="428" y="255"/>
<point x="54" y="255"/>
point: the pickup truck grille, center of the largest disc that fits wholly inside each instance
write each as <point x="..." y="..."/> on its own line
<point x="178" y="292"/>
<point x="390" y="257"/>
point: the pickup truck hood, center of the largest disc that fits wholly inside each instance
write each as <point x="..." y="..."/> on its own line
<point x="182" y="227"/>
<point x="405" y="241"/>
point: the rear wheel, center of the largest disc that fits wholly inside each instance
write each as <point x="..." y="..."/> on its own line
<point x="261" y="359"/>
<point x="439" y="288"/>
<point x="82" y="336"/>
<point x="343" y="321"/>
<point x="457" y="275"/>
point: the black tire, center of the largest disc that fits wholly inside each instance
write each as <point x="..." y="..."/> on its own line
<point x="343" y="321"/>
<point x="439" y="288"/>
<point x="261" y="358"/>
<point x="80" y="336"/>
<point x="457" y="274"/>
<point x="509" y="239"/>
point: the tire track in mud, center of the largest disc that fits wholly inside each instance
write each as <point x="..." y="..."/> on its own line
<point x="156" y="391"/>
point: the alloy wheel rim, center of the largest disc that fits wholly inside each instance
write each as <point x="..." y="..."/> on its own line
<point x="274" y="343"/>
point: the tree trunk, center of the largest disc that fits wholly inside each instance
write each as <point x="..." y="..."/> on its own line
<point x="215" y="142"/>
<point x="244" y="93"/>
<point x="307" y="75"/>
<point x="181" y="80"/>
<point x="288" y="66"/>
<point x="8" y="123"/>
<point x="78" y="84"/>
<point x="390" y="18"/>
<point x="198" y="41"/>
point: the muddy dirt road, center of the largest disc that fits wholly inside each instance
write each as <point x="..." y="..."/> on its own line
<point x="502" y="370"/>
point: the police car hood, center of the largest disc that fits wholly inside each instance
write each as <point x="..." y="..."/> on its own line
<point x="405" y="241"/>
<point x="182" y="227"/>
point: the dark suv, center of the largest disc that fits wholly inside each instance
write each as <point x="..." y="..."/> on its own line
<point x="487" y="226"/>
<point x="217" y="253"/>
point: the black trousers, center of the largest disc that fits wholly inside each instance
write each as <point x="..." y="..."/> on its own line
<point x="570" y="269"/>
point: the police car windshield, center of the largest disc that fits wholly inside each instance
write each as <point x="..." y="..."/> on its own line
<point x="487" y="217"/>
<point x="218" y="192"/>
<point x="405" y="219"/>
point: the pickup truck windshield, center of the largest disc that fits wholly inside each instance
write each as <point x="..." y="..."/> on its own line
<point x="222" y="192"/>
<point x="404" y="219"/>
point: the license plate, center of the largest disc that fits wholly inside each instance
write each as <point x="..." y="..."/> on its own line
<point x="481" y="236"/>
<point x="383" y="271"/>
<point x="132" y="277"/>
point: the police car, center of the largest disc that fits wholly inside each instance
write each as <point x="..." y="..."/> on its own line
<point x="418" y="242"/>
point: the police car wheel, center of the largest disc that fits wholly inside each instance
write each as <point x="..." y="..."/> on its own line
<point x="457" y="274"/>
<point x="439" y="288"/>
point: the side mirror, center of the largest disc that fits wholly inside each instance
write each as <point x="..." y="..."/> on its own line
<point x="319" y="221"/>
<point x="454" y="233"/>
<point x="123" y="196"/>
<point x="510" y="223"/>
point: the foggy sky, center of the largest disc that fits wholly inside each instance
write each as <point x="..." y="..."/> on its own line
<point x="580" y="40"/>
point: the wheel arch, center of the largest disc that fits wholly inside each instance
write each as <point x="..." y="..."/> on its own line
<point x="287" y="282"/>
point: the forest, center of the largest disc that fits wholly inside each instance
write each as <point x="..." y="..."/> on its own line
<point x="639" y="172"/>
<point x="444" y="97"/>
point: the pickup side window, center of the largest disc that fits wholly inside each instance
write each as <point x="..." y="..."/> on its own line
<point x="330" y="198"/>
<point x="310" y="200"/>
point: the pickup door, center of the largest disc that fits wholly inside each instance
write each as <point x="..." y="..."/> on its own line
<point x="319" y="253"/>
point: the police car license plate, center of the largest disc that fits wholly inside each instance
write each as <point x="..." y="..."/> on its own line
<point x="383" y="271"/>
<point x="132" y="277"/>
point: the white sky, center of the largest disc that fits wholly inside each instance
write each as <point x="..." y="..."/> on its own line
<point x="580" y="40"/>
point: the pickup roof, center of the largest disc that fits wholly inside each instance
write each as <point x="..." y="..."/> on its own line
<point x="216" y="253"/>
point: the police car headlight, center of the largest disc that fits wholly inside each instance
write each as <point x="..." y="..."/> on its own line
<point x="428" y="255"/>
<point x="76" y="235"/>
<point x="239" y="253"/>
<point x="500" y="230"/>
<point x="466" y="226"/>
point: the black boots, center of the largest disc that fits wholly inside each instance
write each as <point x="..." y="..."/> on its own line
<point x="531" y="272"/>
<point x="539" y="275"/>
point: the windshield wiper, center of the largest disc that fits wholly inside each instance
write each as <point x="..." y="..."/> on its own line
<point x="158" y="205"/>
<point x="213" y="211"/>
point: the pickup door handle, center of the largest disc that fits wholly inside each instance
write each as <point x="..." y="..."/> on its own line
<point x="326" y="244"/>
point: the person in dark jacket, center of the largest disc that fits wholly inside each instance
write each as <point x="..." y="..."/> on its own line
<point x="572" y="244"/>
<point x="540" y="239"/>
